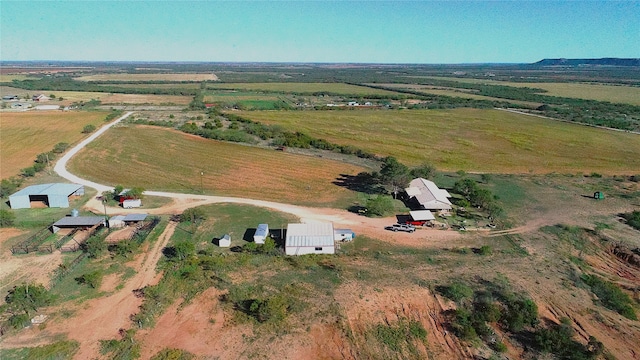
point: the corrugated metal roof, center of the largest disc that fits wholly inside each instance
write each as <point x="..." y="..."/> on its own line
<point x="135" y="217"/>
<point x="117" y="217"/>
<point x="428" y="194"/>
<point x="49" y="189"/>
<point x="316" y="234"/>
<point x="79" y="221"/>
<point x="262" y="230"/>
<point x="420" y="215"/>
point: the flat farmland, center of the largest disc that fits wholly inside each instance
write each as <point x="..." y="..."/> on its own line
<point x="470" y="139"/>
<point x="334" y="88"/>
<point x="24" y="135"/>
<point x="156" y="86"/>
<point x="461" y="93"/>
<point x="168" y="160"/>
<point x="150" y="77"/>
<point x="234" y="96"/>
<point x="113" y="98"/>
<point x="612" y="93"/>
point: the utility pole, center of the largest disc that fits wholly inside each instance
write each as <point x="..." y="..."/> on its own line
<point x="201" y="185"/>
<point x="104" y="204"/>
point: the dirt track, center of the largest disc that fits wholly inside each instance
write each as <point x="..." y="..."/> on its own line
<point x="101" y="318"/>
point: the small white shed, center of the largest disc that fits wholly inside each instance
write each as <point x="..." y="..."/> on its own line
<point x="343" y="235"/>
<point x="261" y="233"/>
<point x="225" y="241"/>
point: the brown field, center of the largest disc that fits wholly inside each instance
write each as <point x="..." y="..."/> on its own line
<point x="150" y="77"/>
<point x="168" y="160"/>
<point x="470" y="139"/>
<point x="24" y="135"/>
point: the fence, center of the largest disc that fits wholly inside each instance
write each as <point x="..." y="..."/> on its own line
<point x="63" y="269"/>
<point x="32" y="243"/>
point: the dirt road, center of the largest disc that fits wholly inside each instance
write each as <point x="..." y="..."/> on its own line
<point x="102" y="318"/>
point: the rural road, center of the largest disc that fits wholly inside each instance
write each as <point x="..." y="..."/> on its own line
<point x="373" y="227"/>
<point x="61" y="165"/>
<point x="302" y="212"/>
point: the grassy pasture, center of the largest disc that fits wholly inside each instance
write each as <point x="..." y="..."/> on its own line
<point x="233" y="96"/>
<point x="106" y="98"/>
<point x="461" y="93"/>
<point x="471" y="139"/>
<point x="235" y="220"/>
<point x="162" y="159"/>
<point x="11" y="77"/>
<point x="24" y="135"/>
<point x="334" y="88"/>
<point x="156" y="86"/>
<point x="150" y="77"/>
<point x="611" y="93"/>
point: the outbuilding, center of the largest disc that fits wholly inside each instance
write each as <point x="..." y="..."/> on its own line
<point x="261" y="233"/>
<point x="116" y="222"/>
<point x="52" y="195"/>
<point x="420" y="217"/>
<point x="225" y="241"/>
<point x="310" y="238"/>
<point x="343" y="235"/>
<point x="77" y="222"/>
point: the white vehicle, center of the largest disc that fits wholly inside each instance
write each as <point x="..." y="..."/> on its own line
<point x="131" y="203"/>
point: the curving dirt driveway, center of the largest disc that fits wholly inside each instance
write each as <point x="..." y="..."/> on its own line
<point x="360" y="224"/>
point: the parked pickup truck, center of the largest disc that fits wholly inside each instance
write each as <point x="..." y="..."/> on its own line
<point x="401" y="227"/>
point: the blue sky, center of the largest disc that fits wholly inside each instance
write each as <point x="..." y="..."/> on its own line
<point x="319" y="31"/>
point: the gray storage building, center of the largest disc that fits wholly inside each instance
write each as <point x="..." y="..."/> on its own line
<point x="53" y="195"/>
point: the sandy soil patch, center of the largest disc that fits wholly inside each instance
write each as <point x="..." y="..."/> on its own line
<point x="102" y="318"/>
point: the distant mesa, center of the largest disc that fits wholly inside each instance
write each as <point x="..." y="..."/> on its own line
<point x="588" y="62"/>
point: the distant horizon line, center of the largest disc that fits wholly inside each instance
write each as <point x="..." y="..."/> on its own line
<point x="53" y="62"/>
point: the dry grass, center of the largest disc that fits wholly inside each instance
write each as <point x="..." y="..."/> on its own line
<point x="461" y="93"/>
<point x="150" y="77"/>
<point x="471" y="139"/>
<point x="106" y="98"/>
<point x="24" y="135"/>
<point x="616" y="94"/>
<point x="11" y="77"/>
<point x="334" y="88"/>
<point x="162" y="159"/>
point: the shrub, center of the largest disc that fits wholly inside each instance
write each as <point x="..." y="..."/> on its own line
<point x="485" y="250"/>
<point x="611" y="296"/>
<point x="7" y="218"/>
<point x="633" y="219"/>
<point x="88" y="129"/>
<point x="92" y="279"/>
<point x="457" y="291"/>
<point x="193" y="215"/>
<point x="379" y="205"/>
<point x="94" y="246"/>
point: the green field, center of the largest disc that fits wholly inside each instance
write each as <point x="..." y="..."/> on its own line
<point x="162" y="159"/>
<point x="333" y="88"/>
<point x="616" y="94"/>
<point x="461" y="93"/>
<point x="471" y="139"/>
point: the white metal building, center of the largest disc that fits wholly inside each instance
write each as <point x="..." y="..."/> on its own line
<point x="261" y="233"/>
<point x="310" y="238"/>
<point x="53" y="195"/>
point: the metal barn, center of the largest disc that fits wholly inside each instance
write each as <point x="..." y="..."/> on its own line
<point x="53" y="195"/>
<point x="261" y="233"/>
<point x="310" y="238"/>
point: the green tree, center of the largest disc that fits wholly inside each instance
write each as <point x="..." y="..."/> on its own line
<point x="7" y="218"/>
<point x="135" y="193"/>
<point x="184" y="249"/>
<point x="24" y="299"/>
<point x="88" y="129"/>
<point x="425" y="171"/>
<point x="193" y="215"/>
<point x="394" y="174"/>
<point x="380" y="205"/>
<point x="94" y="246"/>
